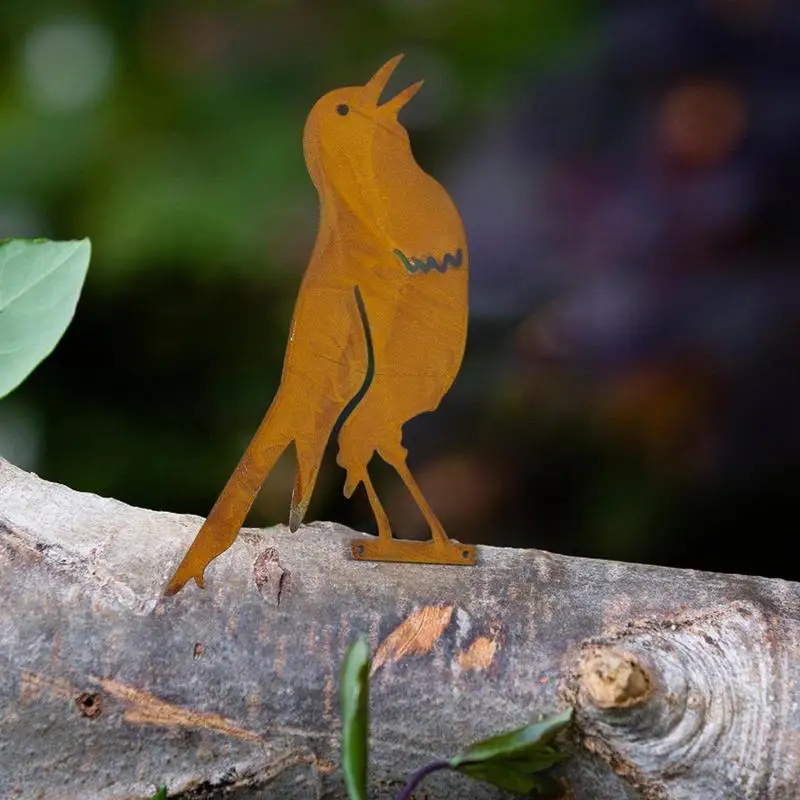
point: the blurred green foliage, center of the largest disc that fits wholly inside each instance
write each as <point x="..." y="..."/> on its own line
<point x="182" y="160"/>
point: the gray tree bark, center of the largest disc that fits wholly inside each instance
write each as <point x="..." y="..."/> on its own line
<point x="685" y="684"/>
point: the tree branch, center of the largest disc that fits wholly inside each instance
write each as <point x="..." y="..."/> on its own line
<point x="685" y="683"/>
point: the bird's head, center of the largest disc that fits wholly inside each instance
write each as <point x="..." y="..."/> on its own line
<point x="348" y="133"/>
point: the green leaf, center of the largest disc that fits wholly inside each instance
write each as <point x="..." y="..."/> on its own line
<point x="511" y="760"/>
<point x="520" y="742"/>
<point x="502" y="777"/>
<point x="40" y="282"/>
<point x="354" y="701"/>
<point x="161" y="793"/>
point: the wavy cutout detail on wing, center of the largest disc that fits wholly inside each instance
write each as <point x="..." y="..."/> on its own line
<point x="424" y="266"/>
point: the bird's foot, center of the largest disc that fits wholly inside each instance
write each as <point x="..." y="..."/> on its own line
<point x="431" y="551"/>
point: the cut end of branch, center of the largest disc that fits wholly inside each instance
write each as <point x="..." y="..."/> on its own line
<point x="613" y="679"/>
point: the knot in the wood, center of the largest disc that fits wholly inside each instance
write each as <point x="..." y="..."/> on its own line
<point x="271" y="578"/>
<point x="613" y="679"/>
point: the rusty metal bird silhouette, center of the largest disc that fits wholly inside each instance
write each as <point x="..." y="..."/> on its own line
<point x="378" y="331"/>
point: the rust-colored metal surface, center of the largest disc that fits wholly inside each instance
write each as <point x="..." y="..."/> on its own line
<point x="378" y="331"/>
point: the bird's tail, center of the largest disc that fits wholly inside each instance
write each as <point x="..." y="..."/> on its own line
<point x="227" y="516"/>
<point x="310" y="450"/>
<point x="304" y="481"/>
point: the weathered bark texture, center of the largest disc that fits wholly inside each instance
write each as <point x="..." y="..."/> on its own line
<point x="685" y="683"/>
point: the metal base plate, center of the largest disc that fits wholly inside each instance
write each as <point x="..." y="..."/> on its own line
<point x="414" y="552"/>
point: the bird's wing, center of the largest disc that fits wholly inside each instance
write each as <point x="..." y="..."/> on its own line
<point x="326" y="371"/>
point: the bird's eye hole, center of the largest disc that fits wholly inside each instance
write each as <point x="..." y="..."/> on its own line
<point x="342" y="109"/>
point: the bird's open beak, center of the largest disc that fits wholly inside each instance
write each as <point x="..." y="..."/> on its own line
<point x="377" y="83"/>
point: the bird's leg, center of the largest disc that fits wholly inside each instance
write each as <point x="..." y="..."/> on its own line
<point x="465" y="554"/>
<point x="361" y="475"/>
<point x="439" y="549"/>
<point x="384" y="528"/>
<point x="437" y="531"/>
